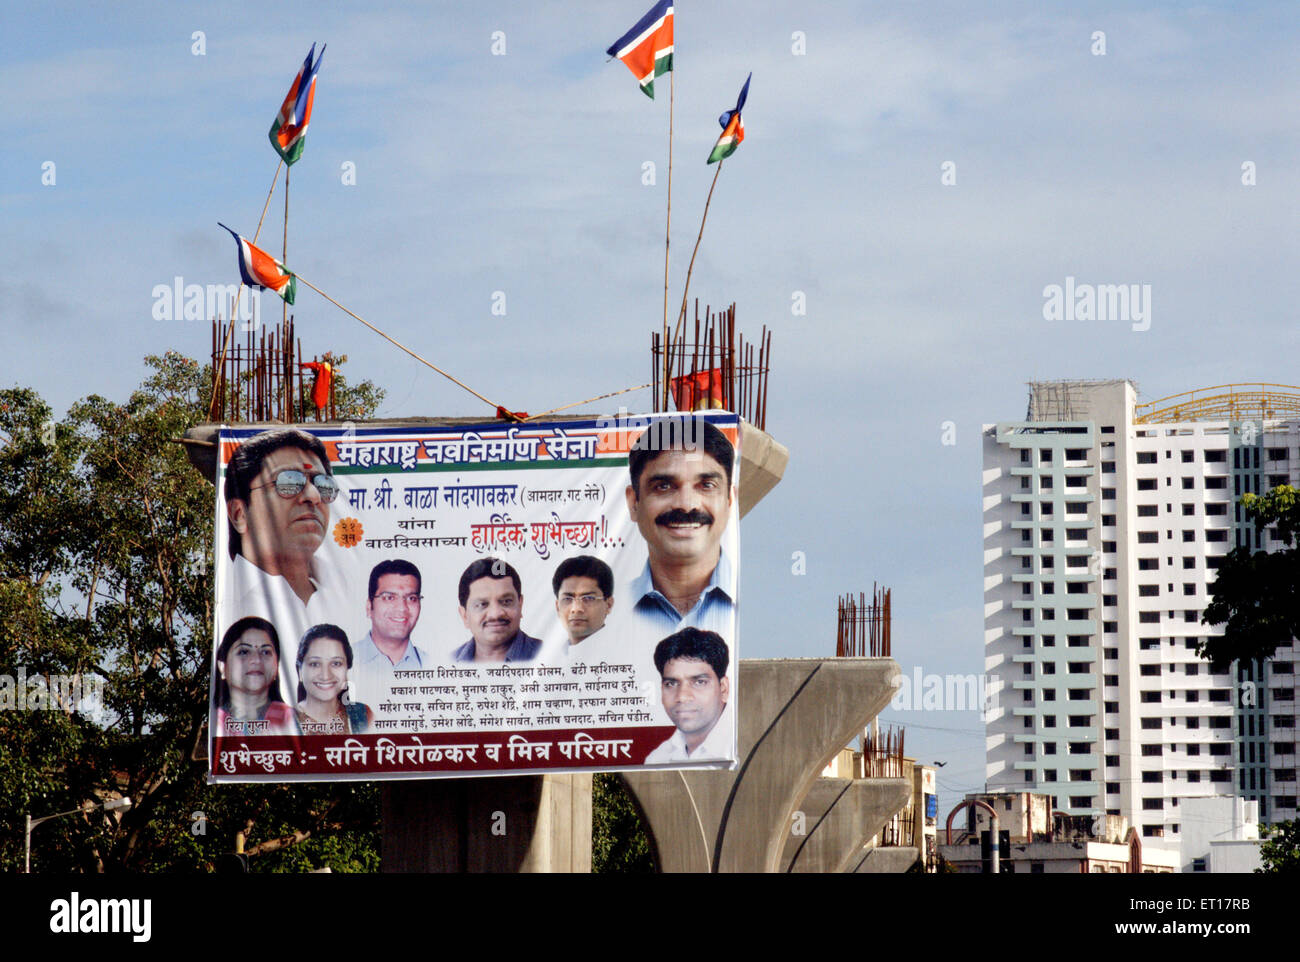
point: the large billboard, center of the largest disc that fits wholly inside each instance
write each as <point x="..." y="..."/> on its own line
<point x="417" y="600"/>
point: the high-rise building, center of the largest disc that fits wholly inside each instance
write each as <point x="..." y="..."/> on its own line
<point x="1104" y="524"/>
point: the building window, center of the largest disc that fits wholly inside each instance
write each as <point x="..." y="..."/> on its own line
<point x="1112" y="761"/>
<point x="1146" y="484"/>
<point x="1147" y="510"/>
<point x="1153" y="804"/>
<point x="1151" y="750"/>
<point x="1146" y="457"/>
<point x="1152" y="722"/>
<point x="1189" y="484"/>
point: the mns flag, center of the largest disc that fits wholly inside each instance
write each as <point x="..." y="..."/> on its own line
<point x="647" y="48"/>
<point x="733" y="128"/>
<point x="260" y="269"/>
<point x="290" y="125"/>
<point x="701" y="391"/>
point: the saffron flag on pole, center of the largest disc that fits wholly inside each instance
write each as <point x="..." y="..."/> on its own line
<point x="733" y="128"/>
<point x="701" y="391"/>
<point x="290" y="125"/>
<point x="647" y="48"/>
<point x="260" y="269"/>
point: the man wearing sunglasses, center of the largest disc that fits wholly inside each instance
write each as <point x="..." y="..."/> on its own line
<point x="278" y="490"/>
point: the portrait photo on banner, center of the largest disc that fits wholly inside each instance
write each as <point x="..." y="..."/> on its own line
<point x="422" y="600"/>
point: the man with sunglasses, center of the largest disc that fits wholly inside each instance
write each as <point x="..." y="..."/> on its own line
<point x="278" y="490"/>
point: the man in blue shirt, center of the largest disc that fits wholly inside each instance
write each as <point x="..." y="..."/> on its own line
<point x="681" y="497"/>
<point x="393" y="607"/>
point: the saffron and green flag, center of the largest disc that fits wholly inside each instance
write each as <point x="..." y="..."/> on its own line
<point x="647" y="48"/>
<point x="290" y="125"/>
<point x="257" y="268"/>
<point x="733" y="128"/>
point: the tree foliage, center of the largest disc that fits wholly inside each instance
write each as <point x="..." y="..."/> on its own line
<point x="1280" y="850"/>
<point x="619" y="841"/>
<point x="106" y="536"/>
<point x="1257" y="594"/>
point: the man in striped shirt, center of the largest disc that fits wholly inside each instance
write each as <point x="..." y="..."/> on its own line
<point x="680" y="498"/>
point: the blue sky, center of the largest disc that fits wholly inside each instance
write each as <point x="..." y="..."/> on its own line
<point x="522" y="173"/>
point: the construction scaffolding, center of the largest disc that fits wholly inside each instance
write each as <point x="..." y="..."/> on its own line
<point x="714" y="368"/>
<point x="1223" y="402"/>
<point x="862" y="630"/>
<point x="262" y="379"/>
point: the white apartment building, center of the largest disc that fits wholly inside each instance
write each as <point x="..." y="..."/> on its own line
<point x="1104" y="522"/>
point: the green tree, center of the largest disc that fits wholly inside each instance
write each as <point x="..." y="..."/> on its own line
<point x="1280" y="850"/>
<point x="1257" y="594"/>
<point x="106" y="572"/>
<point x="619" y="840"/>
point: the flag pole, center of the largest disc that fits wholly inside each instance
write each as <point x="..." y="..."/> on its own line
<point x="230" y="329"/>
<point x="685" y="290"/>
<point x="399" y="344"/>
<point x="672" y="87"/>
<point x="284" y="243"/>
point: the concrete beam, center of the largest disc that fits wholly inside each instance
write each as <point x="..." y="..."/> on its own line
<point x="762" y="464"/>
<point x="841" y="816"/>
<point x="795" y="714"/>
<point x="889" y="860"/>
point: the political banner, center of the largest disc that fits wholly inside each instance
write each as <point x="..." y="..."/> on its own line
<point x="422" y="600"/>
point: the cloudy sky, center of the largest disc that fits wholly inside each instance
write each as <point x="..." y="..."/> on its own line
<point x="496" y="150"/>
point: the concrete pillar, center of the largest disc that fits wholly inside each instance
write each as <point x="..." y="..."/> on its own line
<point x="840" y="816"/>
<point x="525" y="823"/>
<point x="795" y="715"/>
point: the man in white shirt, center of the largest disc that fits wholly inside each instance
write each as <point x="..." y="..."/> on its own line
<point x="584" y="597"/>
<point x="695" y="687"/>
<point x="278" y="489"/>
